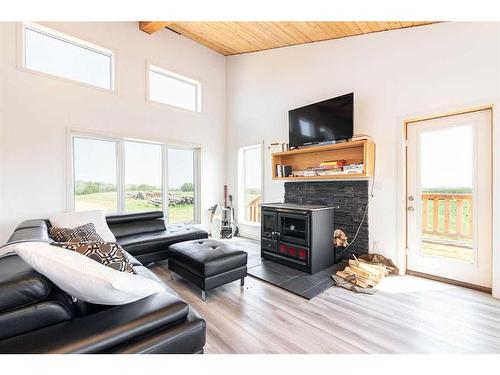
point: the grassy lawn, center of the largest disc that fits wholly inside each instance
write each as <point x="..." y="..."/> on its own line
<point x="104" y="201"/>
<point x="181" y="213"/>
<point x="108" y="202"/>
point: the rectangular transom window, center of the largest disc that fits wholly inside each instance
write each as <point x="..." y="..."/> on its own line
<point x="120" y="175"/>
<point x="172" y="89"/>
<point x="50" y="52"/>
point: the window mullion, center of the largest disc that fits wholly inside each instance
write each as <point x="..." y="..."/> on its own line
<point x="196" y="187"/>
<point x="164" y="176"/>
<point x="120" y="168"/>
<point x="262" y="169"/>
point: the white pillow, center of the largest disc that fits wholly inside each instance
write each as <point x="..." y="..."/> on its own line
<point x="75" y="219"/>
<point x="84" y="278"/>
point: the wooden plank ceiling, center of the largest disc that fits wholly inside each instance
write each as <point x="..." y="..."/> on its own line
<point x="231" y="38"/>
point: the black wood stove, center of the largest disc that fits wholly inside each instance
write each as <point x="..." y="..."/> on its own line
<point x="299" y="236"/>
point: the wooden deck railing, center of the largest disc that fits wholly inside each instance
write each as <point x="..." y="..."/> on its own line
<point x="254" y="209"/>
<point x="457" y="210"/>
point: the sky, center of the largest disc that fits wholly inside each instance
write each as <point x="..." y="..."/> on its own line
<point x="446" y="157"/>
<point x="253" y="174"/>
<point x="95" y="161"/>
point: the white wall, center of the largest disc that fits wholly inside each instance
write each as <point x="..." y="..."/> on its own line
<point x="394" y="75"/>
<point x="35" y="112"/>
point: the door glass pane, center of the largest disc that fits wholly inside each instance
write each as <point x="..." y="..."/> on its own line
<point x="95" y="175"/>
<point x="252" y="178"/>
<point x="446" y="181"/>
<point x="180" y="186"/>
<point x="142" y="177"/>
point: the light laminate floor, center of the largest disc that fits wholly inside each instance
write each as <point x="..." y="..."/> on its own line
<point x="407" y="315"/>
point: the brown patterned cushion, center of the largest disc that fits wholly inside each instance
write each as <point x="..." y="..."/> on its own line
<point x="107" y="253"/>
<point x="81" y="234"/>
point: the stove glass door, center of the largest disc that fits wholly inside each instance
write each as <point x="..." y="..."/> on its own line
<point x="294" y="228"/>
<point x="268" y="224"/>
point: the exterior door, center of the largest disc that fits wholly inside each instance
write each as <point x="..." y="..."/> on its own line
<point x="449" y="197"/>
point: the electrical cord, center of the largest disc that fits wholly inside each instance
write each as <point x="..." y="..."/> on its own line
<point x="371" y="196"/>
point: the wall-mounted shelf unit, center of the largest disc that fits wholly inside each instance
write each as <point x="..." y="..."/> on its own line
<point x="307" y="157"/>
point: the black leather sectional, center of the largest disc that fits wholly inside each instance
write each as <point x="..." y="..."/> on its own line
<point x="37" y="317"/>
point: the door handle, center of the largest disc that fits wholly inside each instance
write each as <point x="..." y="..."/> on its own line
<point x="411" y="208"/>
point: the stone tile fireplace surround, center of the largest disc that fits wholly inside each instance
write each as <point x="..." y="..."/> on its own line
<point x="350" y="196"/>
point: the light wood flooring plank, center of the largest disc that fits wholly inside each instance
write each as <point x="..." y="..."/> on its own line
<point x="407" y="315"/>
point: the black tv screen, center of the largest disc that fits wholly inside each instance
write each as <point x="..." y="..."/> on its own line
<point x="327" y="121"/>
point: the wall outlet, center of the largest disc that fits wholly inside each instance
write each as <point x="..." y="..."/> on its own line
<point x="375" y="246"/>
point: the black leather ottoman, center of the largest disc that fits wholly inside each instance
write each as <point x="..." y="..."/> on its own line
<point x="208" y="263"/>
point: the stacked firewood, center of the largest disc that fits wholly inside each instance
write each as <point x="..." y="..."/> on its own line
<point x="364" y="274"/>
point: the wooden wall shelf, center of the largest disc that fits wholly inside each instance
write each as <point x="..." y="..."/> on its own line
<point x="351" y="152"/>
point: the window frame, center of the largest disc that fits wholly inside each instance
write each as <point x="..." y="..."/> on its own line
<point x="72" y="180"/>
<point x="120" y="171"/>
<point x="196" y="178"/>
<point x="167" y="73"/>
<point x="67" y="39"/>
<point x="164" y="197"/>
<point x="242" y="181"/>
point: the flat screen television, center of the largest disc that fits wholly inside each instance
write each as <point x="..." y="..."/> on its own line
<point x="327" y="121"/>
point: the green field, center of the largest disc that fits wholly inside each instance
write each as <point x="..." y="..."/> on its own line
<point x="107" y="201"/>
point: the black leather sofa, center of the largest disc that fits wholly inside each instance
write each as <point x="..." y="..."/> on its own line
<point x="37" y="317"/>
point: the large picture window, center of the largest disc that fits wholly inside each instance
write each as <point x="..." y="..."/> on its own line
<point x="120" y="175"/>
<point x="181" y="192"/>
<point x="143" y="177"/>
<point x="51" y="52"/>
<point x="250" y="184"/>
<point x="95" y="176"/>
